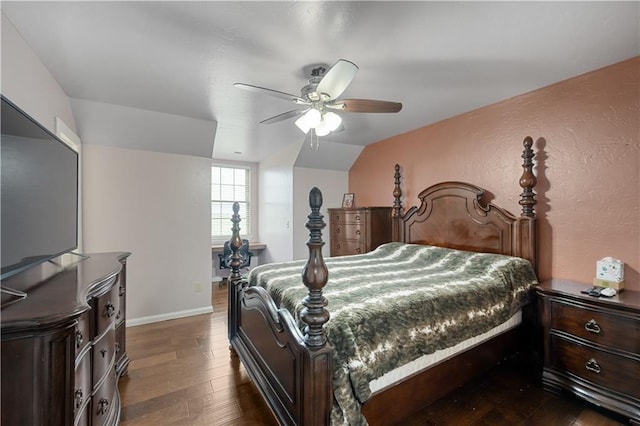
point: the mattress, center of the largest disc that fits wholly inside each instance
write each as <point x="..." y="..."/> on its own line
<point x="407" y="370"/>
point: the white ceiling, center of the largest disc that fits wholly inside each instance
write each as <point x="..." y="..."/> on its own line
<point x="439" y="59"/>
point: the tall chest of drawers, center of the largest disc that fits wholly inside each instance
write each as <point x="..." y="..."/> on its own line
<point x="62" y="350"/>
<point x="358" y="230"/>
<point x="592" y="345"/>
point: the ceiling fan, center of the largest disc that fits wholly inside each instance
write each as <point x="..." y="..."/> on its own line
<point x="319" y="99"/>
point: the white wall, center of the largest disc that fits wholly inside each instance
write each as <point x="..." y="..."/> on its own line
<point x="276" y="204"/>
<point x="333" y="185"/>
<point x="157" y="206"/>
<point x="27" y="82"/>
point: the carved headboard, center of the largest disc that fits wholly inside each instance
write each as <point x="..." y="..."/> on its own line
<point x="452" y="215"/>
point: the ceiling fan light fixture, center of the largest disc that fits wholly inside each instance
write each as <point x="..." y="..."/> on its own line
<point x="302" y="124"/>
<point x="322" y="129"/>
<point x="312" y="118"/>
<point x="332" y="120"/>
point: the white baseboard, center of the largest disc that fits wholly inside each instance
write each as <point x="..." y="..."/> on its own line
<point x="131" y="322"/>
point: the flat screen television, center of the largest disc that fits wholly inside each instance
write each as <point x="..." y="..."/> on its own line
<point x="39" y="197"/>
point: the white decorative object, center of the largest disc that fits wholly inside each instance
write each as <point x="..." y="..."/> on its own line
<point x="610" y="269"/>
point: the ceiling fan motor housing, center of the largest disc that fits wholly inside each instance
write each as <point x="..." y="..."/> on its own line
<point x="309" y="91"/>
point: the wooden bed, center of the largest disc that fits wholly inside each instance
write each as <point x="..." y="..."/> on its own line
<point x="293" y="371"/>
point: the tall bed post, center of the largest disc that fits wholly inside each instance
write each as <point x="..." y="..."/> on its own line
<point x="526" y="229"/>
<point x="317" y="389"/>
<point x="396" y="212"/>
<point x="235" y="278"/>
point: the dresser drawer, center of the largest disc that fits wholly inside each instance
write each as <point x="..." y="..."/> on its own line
<point x="82" y="334"/>
<point x="104" y="352"/>
<point x="106" y="309"/>
<point x="345" y="216"/>
<point x="83" y="388"/>
<point x="122" y="299"/>
<point x="120" y="341"/>
<point x="82" y="418"/>
<point x="348" y="230"/>
<point x="614" y="372"/>
<point x="105" y="402"/>
<point x="346" y="247"/>
<point x="597" y="326"/>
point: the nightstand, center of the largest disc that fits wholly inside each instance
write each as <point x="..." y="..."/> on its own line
<point x="592" y="345"/>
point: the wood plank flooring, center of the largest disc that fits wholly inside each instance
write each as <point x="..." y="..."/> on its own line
<point x="181" y="373"/>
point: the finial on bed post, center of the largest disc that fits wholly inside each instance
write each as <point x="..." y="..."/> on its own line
<point x="235" y="243"/>
<point x="527" y="180"/>
<point x="396" y="211"/>
<point x="315" y="276"/>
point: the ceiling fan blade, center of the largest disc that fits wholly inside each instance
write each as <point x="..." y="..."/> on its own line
<point x="336" y="80"/>
<point x="366" y="105"/>
<point x="271" y="92"/>
<point x="284" y="116"/>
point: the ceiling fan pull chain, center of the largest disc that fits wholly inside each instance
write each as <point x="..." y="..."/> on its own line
<point x="314" y="143"/>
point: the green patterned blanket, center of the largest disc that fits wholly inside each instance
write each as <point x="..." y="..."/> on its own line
<point x="397" y="303"/>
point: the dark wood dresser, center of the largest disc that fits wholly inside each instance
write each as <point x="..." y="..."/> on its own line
<point x="592" y="345"/>
<point x="358" y="230"/>
<point x="63" y="346"/>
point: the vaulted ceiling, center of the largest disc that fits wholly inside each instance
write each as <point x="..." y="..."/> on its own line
<point x="439" y="59"/>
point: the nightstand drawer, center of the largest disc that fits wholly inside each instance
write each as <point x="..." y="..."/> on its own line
<point x="615" y="372"/>
<point x="603" y="328"/>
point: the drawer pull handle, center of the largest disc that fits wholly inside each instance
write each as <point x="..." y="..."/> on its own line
<point x="338" y="246"/>
<point x="592" y="365"/>
<point x="102" y="406"/>
<point x="592" y="327"/>
<point x="103" y="352"/>
<point x="117" y="347"/>
<point x="109" y="310"/>
<point x="78" y="397"/>
<point x="358" y="217"/>
<point x="79" y="339"/>
<point x="121" y="291"/>
<point x="357" y="232"/>
<point x="358" y="250"/>
<point x="337" y="230"/>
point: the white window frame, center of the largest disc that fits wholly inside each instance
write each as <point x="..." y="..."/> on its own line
<point x="253" y="202"/>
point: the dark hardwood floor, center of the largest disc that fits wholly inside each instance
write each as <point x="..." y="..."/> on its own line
<point x="181" y="373"/>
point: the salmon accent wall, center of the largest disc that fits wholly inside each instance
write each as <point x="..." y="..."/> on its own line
<point x="586" y="133"/>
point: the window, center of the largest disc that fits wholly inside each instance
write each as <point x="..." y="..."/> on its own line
<point x="230" y="183"/>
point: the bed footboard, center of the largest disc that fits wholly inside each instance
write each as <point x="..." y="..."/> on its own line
<point x="291" y="369"/>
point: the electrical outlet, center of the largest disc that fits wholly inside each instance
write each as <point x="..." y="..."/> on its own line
<point x="198" y="287"/>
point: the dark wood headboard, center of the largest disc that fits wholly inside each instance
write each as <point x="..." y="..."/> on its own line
<point x="451" y="214"/>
